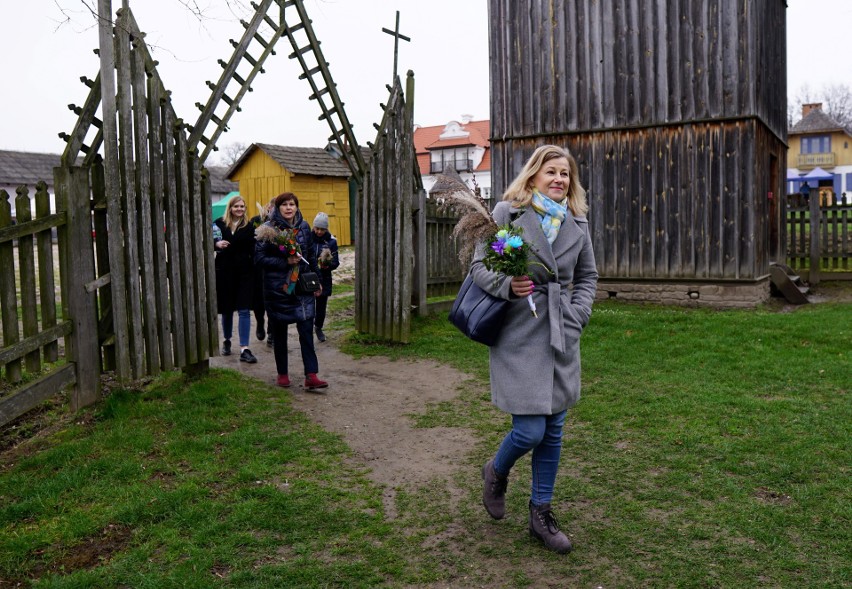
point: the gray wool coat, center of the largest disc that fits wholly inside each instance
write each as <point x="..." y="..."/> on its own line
<point x="535" y="364"/>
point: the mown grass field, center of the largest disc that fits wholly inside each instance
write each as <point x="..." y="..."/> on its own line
<point x="711" y="449"/>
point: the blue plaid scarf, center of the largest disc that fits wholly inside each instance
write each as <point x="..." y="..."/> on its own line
<point x="552" y="214"/>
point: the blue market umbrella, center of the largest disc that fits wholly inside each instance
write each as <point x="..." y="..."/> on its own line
<point x="818" y="174"/>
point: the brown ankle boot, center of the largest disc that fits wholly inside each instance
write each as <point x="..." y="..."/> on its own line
<point x="494" y="491"/>
<point x="543" y="525"/>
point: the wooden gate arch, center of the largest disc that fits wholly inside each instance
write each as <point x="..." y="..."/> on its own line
<point x="133" y="214"/>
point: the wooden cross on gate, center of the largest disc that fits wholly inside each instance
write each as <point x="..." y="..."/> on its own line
<point x="397" y="36"/>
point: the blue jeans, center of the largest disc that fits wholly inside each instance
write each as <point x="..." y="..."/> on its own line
<point x="543" y="435"/>
<point x="278" y="331"/>
<point x="243" y="327"/>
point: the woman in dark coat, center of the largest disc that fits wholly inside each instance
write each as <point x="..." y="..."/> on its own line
<point x="233" y="238"/>
<point x="535" y="363"/>
<point x="284" y="299"/>
<point x="324" y="247"/>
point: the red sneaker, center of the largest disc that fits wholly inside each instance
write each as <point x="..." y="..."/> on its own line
<point x="283" y="380"/>
<point x="313" y="382"/>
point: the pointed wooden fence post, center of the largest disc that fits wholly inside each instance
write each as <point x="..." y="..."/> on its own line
<point x="815" y="218"/>
<point x="78" y="270"/>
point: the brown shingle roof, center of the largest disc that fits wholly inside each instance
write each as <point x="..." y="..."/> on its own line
<point x="219" y="184"/>
<point x="313" y="161"/>
<point x="816" y="121"/>
<point x="21" y="167"/>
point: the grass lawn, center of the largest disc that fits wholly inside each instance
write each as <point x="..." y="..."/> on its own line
<point x="711" y="449"/>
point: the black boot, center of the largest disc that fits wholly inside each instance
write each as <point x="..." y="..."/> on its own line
<point x="226" y="347"/>
<point x="543" y="525"/>
<point x="494" y="491"/>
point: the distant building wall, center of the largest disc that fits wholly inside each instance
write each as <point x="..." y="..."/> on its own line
<point x="261" y="178"/>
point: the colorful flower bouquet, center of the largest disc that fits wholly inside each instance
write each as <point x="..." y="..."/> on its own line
<point x="507" y="252"/>
<point x="288" y="243"/>
<point x="285" y="239"/>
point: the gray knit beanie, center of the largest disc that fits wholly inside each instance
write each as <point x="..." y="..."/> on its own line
<point x="321" y="221"/>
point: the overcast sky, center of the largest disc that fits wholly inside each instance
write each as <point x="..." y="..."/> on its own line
<point x="42" y="60"/>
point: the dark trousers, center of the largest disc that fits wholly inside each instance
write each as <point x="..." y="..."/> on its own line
<point x="322" y="305"/>
<point x="306" y="342"/>
<point x="257" y="298"/>
<point x="258" y="317"/>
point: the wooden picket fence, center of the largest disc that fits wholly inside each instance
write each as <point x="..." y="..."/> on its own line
<point x="443" y="270"/>
<point x="31" y="329"/>
<point x="829" y="255"/>
<point x="403" y="240"/>
<point x="134" y="244"/>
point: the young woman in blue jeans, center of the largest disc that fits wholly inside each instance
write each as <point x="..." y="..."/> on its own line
<point x="535" y="363"/>
<point x="233" y="239"/>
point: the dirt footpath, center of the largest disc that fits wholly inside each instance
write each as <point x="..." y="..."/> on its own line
<point x="368" y="402"/>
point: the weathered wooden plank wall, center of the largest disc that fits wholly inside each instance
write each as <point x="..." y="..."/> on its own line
<point x="674" y="110"/>
<point x="384" y="243"/>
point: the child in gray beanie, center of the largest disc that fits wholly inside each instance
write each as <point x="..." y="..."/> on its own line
<point x="324" y="247"/>
<point x="321" y="221"/>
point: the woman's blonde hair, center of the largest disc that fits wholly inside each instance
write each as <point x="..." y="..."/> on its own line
<point x="519" y="192"/>
<point x="232" y="223"/>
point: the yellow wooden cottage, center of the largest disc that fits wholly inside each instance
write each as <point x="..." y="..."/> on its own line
<point x="819" y="155"/>
<point x="320" y="180"/>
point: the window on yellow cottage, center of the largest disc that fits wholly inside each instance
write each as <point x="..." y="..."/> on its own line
<point x="816" y="144"/>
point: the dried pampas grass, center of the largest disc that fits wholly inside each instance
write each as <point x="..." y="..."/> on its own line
<point x="266" y="233"/>
<point x="476" y="224"/>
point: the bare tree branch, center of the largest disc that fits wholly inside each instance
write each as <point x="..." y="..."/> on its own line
<point x="231" y="152"/>
<point x="836" y="102"/>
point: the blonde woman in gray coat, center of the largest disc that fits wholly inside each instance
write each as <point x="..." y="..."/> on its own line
<point x="535" y="364"/>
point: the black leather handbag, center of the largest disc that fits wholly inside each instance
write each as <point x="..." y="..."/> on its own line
<point x="308" y="282"/>
<point x="477" y="314"/>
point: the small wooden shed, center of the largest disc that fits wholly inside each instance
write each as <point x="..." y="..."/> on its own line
<point x="676" y="113"/>
<point x="313" y="174"/>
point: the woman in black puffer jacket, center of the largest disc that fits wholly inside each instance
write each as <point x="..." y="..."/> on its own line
<point x="284" y="300"/>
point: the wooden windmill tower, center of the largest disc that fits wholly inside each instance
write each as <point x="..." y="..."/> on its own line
<point x="676" y="113"/>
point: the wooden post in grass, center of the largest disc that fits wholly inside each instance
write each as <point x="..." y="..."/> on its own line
<point x="418" y="206"/>
<point x="75" y="238"/>
<point x="813" y="273"/>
